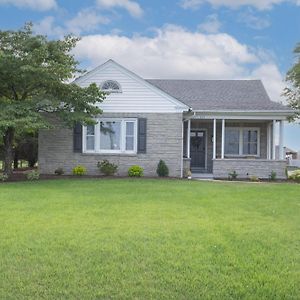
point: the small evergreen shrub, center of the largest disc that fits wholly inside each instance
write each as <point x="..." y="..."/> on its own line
<point x="273" y="176"/>
<point x="162" y="169"/>
<point x="232" y="175"/>
<point x="107" y="168"/>
<point x="59" y="171"/>
<point x="3" y="177"/>
<point x="135" y="171"/>
<point x="79" y="170"/>
<point x="33" y="175"/>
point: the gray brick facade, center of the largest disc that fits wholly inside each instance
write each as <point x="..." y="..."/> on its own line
<point x="246" y="168"/>
<point x="164" y="141"/>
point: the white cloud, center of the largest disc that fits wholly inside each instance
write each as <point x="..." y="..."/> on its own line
<point x="272" y="78"/>
<point x="253" y="21"/>
<point x="259" y="4"/>
<point x="131" y="6"/>
<point x="86" y="20"/>
<point x="41" y="5"/>
<point x="47" y="27"/>
<point x="211" y="24"/>
<point x="174" y="52"/>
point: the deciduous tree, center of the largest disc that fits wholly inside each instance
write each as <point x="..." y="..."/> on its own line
<point x="293" y="78"/>
<point x="34" y="76"/>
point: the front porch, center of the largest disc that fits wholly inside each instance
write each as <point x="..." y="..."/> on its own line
<point x="217" y="146"/>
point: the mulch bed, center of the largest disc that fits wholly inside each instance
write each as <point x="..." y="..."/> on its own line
<point x="20" y="175"/>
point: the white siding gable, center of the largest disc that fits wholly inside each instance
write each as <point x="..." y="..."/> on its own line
<point x="137" y="94"/>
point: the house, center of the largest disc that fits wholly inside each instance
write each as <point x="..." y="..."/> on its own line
<point x="290" y="153"/>
<point x="212" y="127"/>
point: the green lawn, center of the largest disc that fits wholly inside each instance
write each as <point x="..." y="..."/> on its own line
<point x="149" y="239"/>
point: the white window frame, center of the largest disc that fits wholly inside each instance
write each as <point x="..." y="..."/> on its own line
<point x="109" y="91"/>
<point x="122" y="150"/>
<point x="241" y="142"/>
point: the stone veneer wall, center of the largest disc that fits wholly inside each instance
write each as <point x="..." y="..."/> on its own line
<point x="164" y="141"/>
<point x="245" y="168"/>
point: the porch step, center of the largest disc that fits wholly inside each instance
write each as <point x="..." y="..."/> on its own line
<point x="202" y="176"/>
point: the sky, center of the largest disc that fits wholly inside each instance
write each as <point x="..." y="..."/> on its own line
<point x="190" y="39"/>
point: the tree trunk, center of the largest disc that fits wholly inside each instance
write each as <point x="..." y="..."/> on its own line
<point x="16" y="159"/>
<point x="8" y="150"/>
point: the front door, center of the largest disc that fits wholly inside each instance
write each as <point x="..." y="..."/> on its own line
<point x="198" y="148"/>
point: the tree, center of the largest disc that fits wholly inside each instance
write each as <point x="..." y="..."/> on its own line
<point x="26" y="148"/>
<point x="293" y="77"/>
<point x="34" y="75"/>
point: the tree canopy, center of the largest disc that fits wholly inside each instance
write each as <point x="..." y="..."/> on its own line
<point x="293" y="77"/>
<point x="34" y="82"/>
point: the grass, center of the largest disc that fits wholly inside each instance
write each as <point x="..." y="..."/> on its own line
<point x="149" y="239"/>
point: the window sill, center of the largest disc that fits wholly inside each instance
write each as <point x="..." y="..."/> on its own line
<point x="108" y="154"/>
<point x="242" y="156"/>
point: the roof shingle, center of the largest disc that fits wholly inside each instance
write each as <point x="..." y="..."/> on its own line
<point x="219" y="94"/>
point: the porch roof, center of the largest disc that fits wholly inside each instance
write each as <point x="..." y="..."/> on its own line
<point x="220" y="94"/>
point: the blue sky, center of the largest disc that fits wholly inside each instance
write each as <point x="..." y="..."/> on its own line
<point x="200" y="39"/>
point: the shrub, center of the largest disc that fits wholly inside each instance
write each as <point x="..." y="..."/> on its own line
<point x="79" y="170"/>
<point x="232" y="175"/>
<point x="273" y="176"/>
<point x="33" y="175"/>
<point x="162" y="169"/>
<point x="254" y="178"/>
<point x="107" y="168"/>
<point x="3" y="177"/>
<point x="295" y="175"/>
<point x="135" y="171"/>
<point x="59" y="171"/>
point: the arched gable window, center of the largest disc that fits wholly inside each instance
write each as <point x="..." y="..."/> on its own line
<point x="111" y="86"/>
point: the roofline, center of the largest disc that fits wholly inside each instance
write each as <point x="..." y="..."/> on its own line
<point x="240" y="114"/>
<point x="284" y="111"/>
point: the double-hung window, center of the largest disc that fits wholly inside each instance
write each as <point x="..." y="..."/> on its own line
<point x="241" y="141"/>
<point x="250" y="141"/>
<point x="90" y="138"/>
<point x="111" y="136"/>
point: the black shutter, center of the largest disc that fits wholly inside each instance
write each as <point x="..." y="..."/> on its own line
<point x="77" y="138"/>
<point x="142" y="135"/>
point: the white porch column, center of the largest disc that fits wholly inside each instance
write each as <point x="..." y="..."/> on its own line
<point x="273" y="140"/>
<point x="215" y="140"/>
<point x="188" y="140"/>
<point x="281" y="152"/>
<point x="223" y="139"/>
<point x="269" y="145"/>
